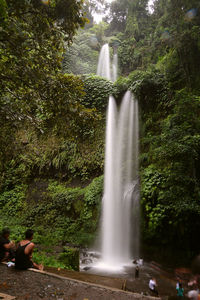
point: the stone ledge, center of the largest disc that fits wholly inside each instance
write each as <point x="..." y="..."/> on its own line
<point x="135" y="295"/>
<point x="95" y="286"/>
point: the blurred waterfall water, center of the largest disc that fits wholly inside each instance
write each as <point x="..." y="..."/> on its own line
<point x="120" y="205"/>
<point x="103" y="68"/>
<point x="114" y="67"/>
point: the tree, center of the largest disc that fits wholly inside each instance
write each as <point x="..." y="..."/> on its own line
<point x="93" y="6"/>
<point x="33" y="90"/>
<point x="118" y="16"/>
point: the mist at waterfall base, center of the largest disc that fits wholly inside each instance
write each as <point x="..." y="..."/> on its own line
<point x="120" y="214"/>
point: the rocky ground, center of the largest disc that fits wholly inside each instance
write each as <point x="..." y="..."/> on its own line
<point x="32" y="285"/>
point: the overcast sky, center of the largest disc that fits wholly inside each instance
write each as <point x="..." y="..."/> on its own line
<point x="98" y="17"/>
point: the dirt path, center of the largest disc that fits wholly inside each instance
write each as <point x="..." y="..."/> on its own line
<point x="31" y="285"/>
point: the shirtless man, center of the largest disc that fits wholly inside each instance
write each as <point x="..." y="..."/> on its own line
<point x="23" y="258"/>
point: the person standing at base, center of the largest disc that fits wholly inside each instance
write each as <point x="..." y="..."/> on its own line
<point x="153" y="286"/>
<point x="180" y="290"/>
<point x="6" y="247"/>
<point x="23" y="257"/>
<point x="136" y="272"/>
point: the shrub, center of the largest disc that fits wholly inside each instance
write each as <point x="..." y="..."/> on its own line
<point x="12" y="202"/>
<point x="70" y="258"/>
<point x="97" y="90"/>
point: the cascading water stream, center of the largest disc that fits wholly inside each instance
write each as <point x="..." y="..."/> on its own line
<point x="114" y="67"/>
<point x="120" y="204"/>
<point x="103" y="68"/>
<point x="121" y="194"/>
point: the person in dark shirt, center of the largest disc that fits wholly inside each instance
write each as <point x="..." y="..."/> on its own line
<point x="6" y="247"/>
<point x="23" y="256"/>
<point x="137" y="272"/>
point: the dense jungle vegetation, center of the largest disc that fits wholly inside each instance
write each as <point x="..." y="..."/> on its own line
<point x="52" y="118"/>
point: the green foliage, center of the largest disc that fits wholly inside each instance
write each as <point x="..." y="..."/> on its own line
<point x="82" y="56"/>
<point x="32" y="44"/>
<point x="93" y="192"/>
<point x="118" y="13"/>
<point x="3" y="9"/>
<point x="74" y="211"/>
<point x="70" y="258"/>
<point x="92" y="199"/>
<point x="99" y="31"/>
<point x="65" y="198"/>
<point x="131" y="20"/>
<point x="150" y="88"/>
<point x="97" y="91"/>
<point x="170" y="184"/>
<point x="12" y="202"/>
<point x="69" y="157"/>
<point x="66" y="131"/>
<point x="93" y="6"/>
<point x="41" y="257"/>
<point x="52" y="124"/>
<point x="44" y="239"/>
<point x="125" y="51"/>
<point x="167" y="38"/>
<point x="179" y="64"/>
<point x="17" y="231"/>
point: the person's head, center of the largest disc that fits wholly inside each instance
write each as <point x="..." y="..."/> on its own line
<point x="6" y="233"/>
<point x="180" y="285"/>
<point x="29" y="234"/>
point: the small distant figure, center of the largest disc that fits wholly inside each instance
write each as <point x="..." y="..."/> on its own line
<point x="153" y="286"/>
<point x="140" y="262"/>
<point x="177" y="284"/>
<point x="6" y="246"/>
<point x="136" y="272"/>
<point x="23" y="258"/>
<point x="179" y="289"/>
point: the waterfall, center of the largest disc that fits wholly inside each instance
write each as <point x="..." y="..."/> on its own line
<point x="114" y="67"/>
<point x="120" y="203"/>
<point x="103" y="68"/>
<point x="120" y="209"/>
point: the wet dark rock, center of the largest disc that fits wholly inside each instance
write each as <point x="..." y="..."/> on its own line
<point x="84" y="254"/>
<point x="86" y="268"/>
<point x="95" y="255"/>
<point x="86" y="261"/>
